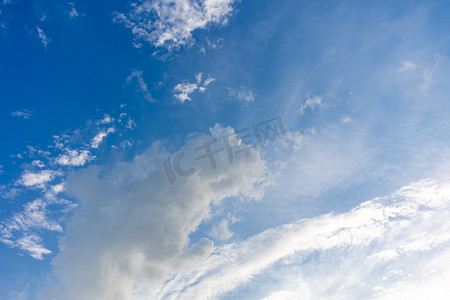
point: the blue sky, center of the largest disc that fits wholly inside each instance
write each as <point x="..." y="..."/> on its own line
<point x="101" y="99"/>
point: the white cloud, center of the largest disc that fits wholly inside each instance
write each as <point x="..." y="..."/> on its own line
<point x="346" y="120"/>
<point x="282" y="295"/>
<point x="221" y="231"/>
<point x="97" y="140"/>
<point x="24" y="229"/>
<point x="380" y="227"/>
<point x="34" y="217"/>
<point x="133" y="227"/>
<point x="311" y="103"/>
<point x="73" y="12"/>
<point x="408" y="65"/>
<point x="78" y="157"/>
<point x="198" y="77"/>
<point x="170" y="23"/>
<point x="142" y="85"/>
<point x="38" y="163"/>
<point x="32" y="244"/>
<point x="9" y="193"/>
<point x="241" y="93"/>
<point x="26" y="114"/>
<point x="44" y="39"/>
<point x="106" y="120"/>
<point x="33" y="179"/>
<point x="184" y="89"/>
<point x="208" y="81"/>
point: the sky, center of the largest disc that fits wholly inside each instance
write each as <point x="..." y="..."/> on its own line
<point x="224" y="149"/>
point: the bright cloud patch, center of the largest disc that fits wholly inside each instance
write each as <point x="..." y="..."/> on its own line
<point x="170" y="23"/>
<point x="97" y="140"/>
<point x="19" y="230"/>
<point x="75" y="157"/>
<point x="31" y="243"/>
<point x="185" y="88"/>
<point x="398" y="229"/>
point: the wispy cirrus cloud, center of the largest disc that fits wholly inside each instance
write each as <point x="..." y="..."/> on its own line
<point x="397" y="229"/>
<point x="26" y="114"/>
<point x="184" y="89"/>
<point x="43" y="37"/>
<point x="311" y="103"/>
<point x="241" y="93"/>
<point x="44" y="174"/>
<point x="137" y="74"/>
<point x="170" y="23"/>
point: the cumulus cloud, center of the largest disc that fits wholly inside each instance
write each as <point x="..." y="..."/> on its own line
<point x="241" y="93"/>
<point x="44" y="39"/>
<point x="77" y="157"/>
<point x="411" y="222"/>
<point x="32" y="179"/>
<point x="107" y="119"/>
<point x="311" y="103"/>
<point x="346" y="120"/>
<point x="137" y="74"/>
<point x="132" y="229"/>
<point x="170" y="23"/>
<point x="185" y="88"/>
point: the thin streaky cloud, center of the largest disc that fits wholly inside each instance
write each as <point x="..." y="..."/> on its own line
<point x="43" y="37"/>
<point x="137" y="74"/>
<point x="26" y="114"/>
